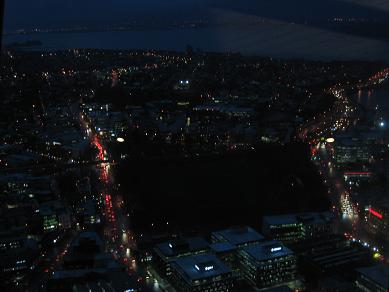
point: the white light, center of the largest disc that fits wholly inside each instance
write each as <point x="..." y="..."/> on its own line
<point x="206" y="268"/>
<point x="382" y="124"/>
<point x="209" y="268"/>
<point x="120" y="139"/>
<point x="274" y="249"/>
<point x="330" y="140"/>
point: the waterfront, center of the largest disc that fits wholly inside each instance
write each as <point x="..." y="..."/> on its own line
<point x="271" y="39"/>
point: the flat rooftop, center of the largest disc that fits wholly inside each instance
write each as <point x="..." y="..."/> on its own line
<point x="87" y="235"/>
<point x="200" y="267"/>
<point x="267" y="250"/>
<point x="238" y="235"/>
<point x="378" y="274"/>
<point x="220" y="247"/>
<point x="77" y="273"/>
<point x="189" y="245"/>
<point x="312" y="217"/>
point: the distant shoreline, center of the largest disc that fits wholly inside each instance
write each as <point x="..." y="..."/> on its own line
<point x="280" y="41"/>
<point x="24" y="45"/>
<point x="362" y="26"/>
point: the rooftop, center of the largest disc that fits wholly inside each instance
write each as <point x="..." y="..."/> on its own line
<point x="179" y="246"/>
<point x="77" y="273"/>
<point x="238" y="235"/>
<point x="200" y="266"/>
<point x="87" y="236"/>
<point x="378" y="274"/>
<point x="298" y="218"/>
<point x="220" y="247"/>
<point x="267" y="250"/>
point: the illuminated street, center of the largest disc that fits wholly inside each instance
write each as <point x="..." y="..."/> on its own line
<point x="322" y="151"/>
<point x="194" y="146"/>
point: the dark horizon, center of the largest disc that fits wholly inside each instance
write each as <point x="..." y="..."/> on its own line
<point x="66" y="13"/>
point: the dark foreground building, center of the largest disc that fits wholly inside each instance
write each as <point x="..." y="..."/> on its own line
<point x="293" y="228"/>
<point x="374" y="278"/>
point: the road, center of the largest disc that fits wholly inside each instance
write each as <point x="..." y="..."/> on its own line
<point x="339" y="118"/>
<point x="119" y="237"/>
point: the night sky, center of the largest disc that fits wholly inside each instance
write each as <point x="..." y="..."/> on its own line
<point x="44" y="13"/>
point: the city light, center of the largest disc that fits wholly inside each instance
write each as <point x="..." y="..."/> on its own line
<point x="375" y="213"/>
<point x="330" y="140"/>
<point x="168" y="115"/>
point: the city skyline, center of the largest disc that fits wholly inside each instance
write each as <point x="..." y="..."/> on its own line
<point x="194" y="146"/>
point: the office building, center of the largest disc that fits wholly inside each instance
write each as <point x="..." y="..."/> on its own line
<point x="373" y="279"/>
<point x="204" y="272"/>
<point x="351" y="150"/>
<point x="292" y="228"/>
<point x="268" y="264"/>
<point x="166" y="252"/>
<point x="377" y="220"/>
<point x="239" y="236"/>
<point x="227" y="253"/>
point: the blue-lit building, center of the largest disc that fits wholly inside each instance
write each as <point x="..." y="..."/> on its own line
<point x="166" y="252"/>
<point x="204" y="272"/>
<point x="228" y="242"/>
<point x="374" y="278"/>
<point x="268" y="264"/>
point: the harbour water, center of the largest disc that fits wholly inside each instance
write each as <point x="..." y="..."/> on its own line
<point x="270" y="39"/>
